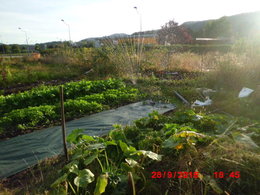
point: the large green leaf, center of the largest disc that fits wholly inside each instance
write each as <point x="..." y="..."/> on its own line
<point x="112" y="142"/>
<point x="90" y="159"/>
<point x="149" y="154"/>
<point x="131" y="162"/>
<point x="171" y="142"/>
<point x="125" y="148"/>
<point x="189" y="134"/>
<point x="117" y="134"/>
<point x="74" y="169"/>
<point x="96" y="146"/>
<point x="126" y="167"/>
<point x="84" y="177"/>
<point x="101" y="184"/>
<point x="87" y="138"/>
<point x="73" y="136"/>
<point x="71" y="167"/>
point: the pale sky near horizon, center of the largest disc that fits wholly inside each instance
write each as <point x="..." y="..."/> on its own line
<point x="41" y="19"/>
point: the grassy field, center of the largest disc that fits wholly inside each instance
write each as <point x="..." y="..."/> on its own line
<point x="211" y="140"/>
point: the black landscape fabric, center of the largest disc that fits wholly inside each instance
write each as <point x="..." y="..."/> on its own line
<point x="21" y="152"/>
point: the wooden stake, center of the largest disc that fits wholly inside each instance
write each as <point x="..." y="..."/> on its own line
<point x="182" y="98"/>
<point x="63" y="123"/>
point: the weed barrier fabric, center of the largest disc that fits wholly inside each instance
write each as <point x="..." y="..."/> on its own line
<point x="22" y="152"/>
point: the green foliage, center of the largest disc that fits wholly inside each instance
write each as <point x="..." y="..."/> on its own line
<point x="5" y="49"/>
<point x="84" y="178"/>
<point x="28" y="118"/>
<point x="15" y="48"/>
<point x="204" y="123"/>
<point x="75" y="108"/>
<point x="101" y="185"/>
<point x="153" y="121"/>
<point x="185" y="138"/>
<point x="110" y="158"/>
<point x="114" y="97"/>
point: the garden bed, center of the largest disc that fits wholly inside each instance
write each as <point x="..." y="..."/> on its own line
<point x="40" y="107"/>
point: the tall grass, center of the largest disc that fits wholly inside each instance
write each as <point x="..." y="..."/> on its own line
<point x="120" y="58"/>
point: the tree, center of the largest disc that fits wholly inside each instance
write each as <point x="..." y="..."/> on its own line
<point x="88" y="44"/>
<point x="50" y="46"/>
<point x="37" y="47"/>
<point x="24" y="49"/>
<point x="2" y="48"/>
<point x="7" y="48"/>
<point x="15" y="48"/>
<point x="172" y="33"/>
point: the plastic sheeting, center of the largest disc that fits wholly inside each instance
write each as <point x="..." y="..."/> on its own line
<point x="22" y="152"/>
<point x="207" y="102"/>
<point x="245" y="92"/>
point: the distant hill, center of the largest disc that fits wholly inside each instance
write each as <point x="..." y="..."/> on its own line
<point x="240" y="25"/>
<point x="118" y="35"/>
<point x="113" y="36"/>
<point x="195" y="26"/>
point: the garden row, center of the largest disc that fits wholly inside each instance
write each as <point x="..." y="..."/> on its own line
<point x="34" y="117"/>
<point x="47" y="95"/>
<point x="130" y="159"/>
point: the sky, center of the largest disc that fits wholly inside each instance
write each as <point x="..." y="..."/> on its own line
<point x="41" y="21"/>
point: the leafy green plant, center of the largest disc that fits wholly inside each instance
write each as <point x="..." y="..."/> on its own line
<point x="75" y="108"/>
<point x="110" y="158"/>
<point x="184" y="138"/>
<point x="28" y="118"/>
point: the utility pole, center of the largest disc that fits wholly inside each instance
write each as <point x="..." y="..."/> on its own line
<point x="26" y="38"/>
<point x="139" y="46"/>
<point x="68" y="29"/>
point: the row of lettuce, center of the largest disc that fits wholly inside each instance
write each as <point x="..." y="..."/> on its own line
<point x="47" y="95"/>
<point x="129" y="159"/>
<point x="41" y="107"/>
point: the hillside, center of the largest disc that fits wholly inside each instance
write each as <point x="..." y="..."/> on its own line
<point x="240" y="25"/>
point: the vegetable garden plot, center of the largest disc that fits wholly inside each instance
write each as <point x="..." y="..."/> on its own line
<point x="40" y="107"/>
<point x="19" y="153"/>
